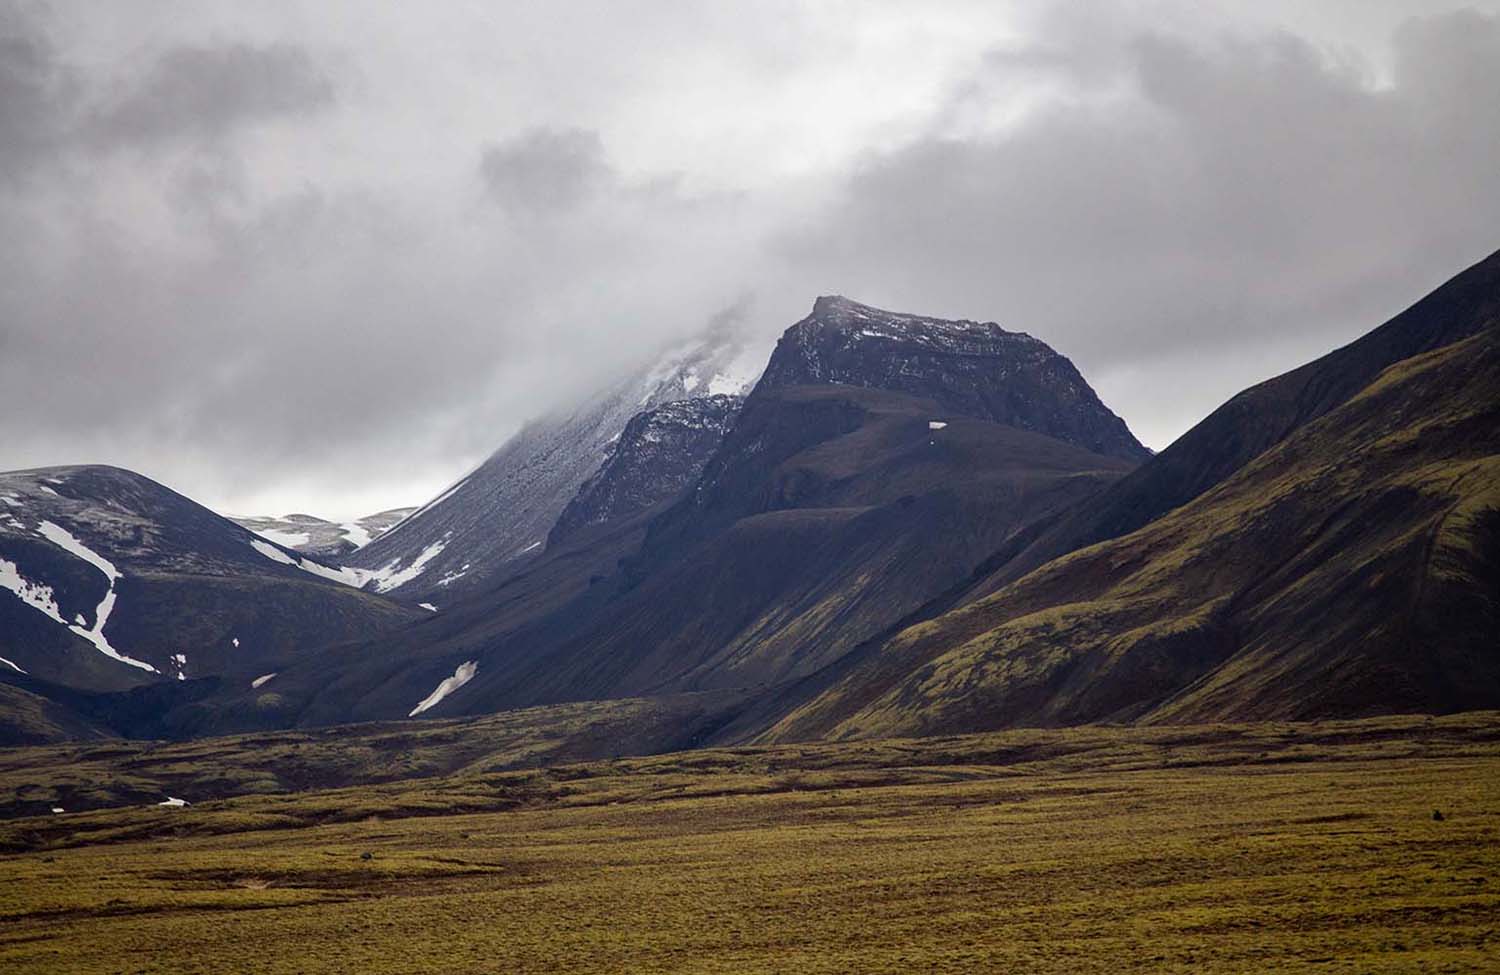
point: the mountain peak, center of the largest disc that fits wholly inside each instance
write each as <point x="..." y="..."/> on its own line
<point x="969" y="368"/>
<point x="842" y="312"/>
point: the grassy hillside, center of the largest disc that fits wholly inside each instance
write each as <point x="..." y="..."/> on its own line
<point x="1352" y="569"/>
<point x="1210" y="849"/>
<point x="1261" y="417"/>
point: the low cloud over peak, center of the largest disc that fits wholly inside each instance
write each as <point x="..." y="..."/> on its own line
<point x="326" y="257"/>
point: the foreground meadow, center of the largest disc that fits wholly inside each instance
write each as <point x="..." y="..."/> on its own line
<point x="1222" y="849"/>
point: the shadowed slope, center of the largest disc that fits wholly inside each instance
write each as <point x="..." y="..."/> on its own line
<point x="1352" y="569"/>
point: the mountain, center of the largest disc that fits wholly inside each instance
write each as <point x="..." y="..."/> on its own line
<point x="498" y="517"/>
<point x="953" y="363"/>
<point x="311" y="535"/>
<point x="1265" y="415"/>
<point x="830" y="513"/>
<point x="109" y="580"/>
<point x="1351" y="567"/>
<point x="661" y="452"/>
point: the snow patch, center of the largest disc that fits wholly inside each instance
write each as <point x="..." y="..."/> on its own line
<point x="357" y="535"/>
<point x="285" y="539"/>
<point x="272" y="552"/>
<point x="453" y="576"/>
<point x="343" y="574"/>
<point x="58" y="809"/>
<point x="530" y="548"/>
<point x="388" y="577"/>
<point x="236" y="642"/>
<point x="174" y="802"/>
<point x="64" y="540"/>
<point x="935" y="424"/>
<point x="428" y="606"/>
<point x="49" y="490"/>
<point x="259" y="681"/>
<point x="10" y="500"/>
<point x="12" y="665"/>
<point x="34" y="594"/>
<point x="461" y="676"/>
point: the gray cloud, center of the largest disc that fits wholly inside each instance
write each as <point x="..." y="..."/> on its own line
<point x="32" y="87"/>
<point x="545" y="170"/>
<point x="1214" y="199"/>
<point x="325" y="256"/>
<point x="205" y="92"/>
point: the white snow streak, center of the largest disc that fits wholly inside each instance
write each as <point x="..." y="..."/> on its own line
<point x="257" y="682"/>
<point x="12" y="665"/>
<point x="349" y="577"/>
<point x="34" y="594"/>
<point x="428" y="606"/>
<point x="357" y="534"/>
<point x="343" y="574"/>
<point x="174" y="802"/>
<point x="935" y="424"/>
<point x="64" y="540"/>
<point x="272" y="552"/>
<point x="388" y="577"/>
<point x="452" y="576"/>
<point x="461" y="676"/>
<point x="285" y="538"/>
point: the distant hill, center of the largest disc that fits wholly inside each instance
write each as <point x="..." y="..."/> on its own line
<point x="325" y="539"/>
<point x="109" y="580"/>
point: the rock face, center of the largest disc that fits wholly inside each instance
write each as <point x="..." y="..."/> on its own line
<point x="660" y="453"/>
<point x="312" y="535"/>
<point x="975" y="369"/>
<point x="109" y="580"/>
<point x="497" y="518"/>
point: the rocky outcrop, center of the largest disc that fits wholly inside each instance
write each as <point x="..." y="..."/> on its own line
<point x="660" y="453"/>
<point x="975" y="369"/>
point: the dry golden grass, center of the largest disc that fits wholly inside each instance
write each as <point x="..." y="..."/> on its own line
<point x="1223" y="849"/>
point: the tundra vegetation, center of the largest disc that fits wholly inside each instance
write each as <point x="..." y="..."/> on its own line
<point x="1210" y="848"/>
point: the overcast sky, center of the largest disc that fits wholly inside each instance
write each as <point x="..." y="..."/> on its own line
<point x="325" y="256"/>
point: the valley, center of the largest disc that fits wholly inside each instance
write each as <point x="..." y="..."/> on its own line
<point x="1222" y="848"/>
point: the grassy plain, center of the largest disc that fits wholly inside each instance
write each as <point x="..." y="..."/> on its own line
<point x="1194" y="849"/>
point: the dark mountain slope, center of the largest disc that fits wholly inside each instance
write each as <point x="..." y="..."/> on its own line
<point x="893" y="513"/>
<point x="1352" y="569"/>
<point x="660" y="453"/>
<point x="109" y="580"/>
<point x="829" y="513"/>
<point x="1266" y="414"/>
<point x="798" y="554"/>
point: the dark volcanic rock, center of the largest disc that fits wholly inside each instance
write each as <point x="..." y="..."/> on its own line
<point x="976" y="369"/>
<point x="660" y="453"/>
